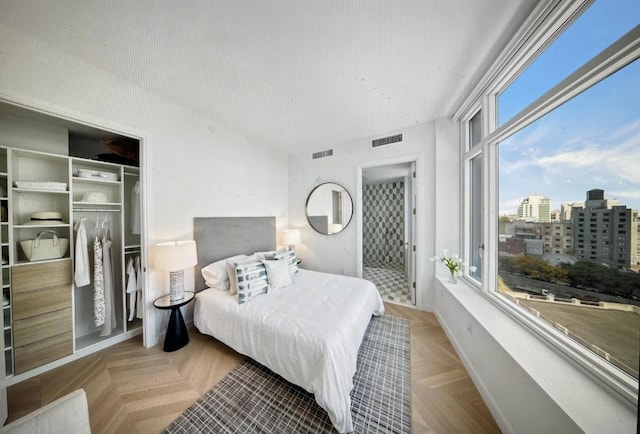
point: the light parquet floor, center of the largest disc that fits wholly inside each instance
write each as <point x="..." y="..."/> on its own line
<point x="131" y="389"/>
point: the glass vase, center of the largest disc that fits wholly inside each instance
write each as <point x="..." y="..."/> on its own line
<point x="452" y="277"/>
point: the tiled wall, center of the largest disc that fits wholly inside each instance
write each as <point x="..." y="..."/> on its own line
<point x="383" y="223"/>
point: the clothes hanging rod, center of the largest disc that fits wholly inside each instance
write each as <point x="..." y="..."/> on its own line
<point x="96" y="210"/>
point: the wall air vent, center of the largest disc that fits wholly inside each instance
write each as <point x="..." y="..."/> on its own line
<point x="386" y="140"/>
<point x="322" y="154"/>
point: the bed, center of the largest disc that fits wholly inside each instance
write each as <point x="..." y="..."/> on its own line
<point x="309" y="332"/>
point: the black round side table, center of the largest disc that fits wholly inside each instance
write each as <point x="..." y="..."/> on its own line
<point x="176" y="336"/>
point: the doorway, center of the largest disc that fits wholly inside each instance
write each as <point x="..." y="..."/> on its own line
<point x="388" y="230"/>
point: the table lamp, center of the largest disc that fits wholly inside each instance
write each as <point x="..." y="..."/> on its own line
<point x="174" y="257"/>
<point x="291" y="237"/>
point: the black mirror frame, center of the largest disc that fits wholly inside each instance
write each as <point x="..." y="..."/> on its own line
<point x="306" y="208"/>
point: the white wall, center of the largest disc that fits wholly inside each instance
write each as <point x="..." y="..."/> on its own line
<point x="195" y="167"/>
<point x="528" y="386"/>
<point x="338" y="253"/>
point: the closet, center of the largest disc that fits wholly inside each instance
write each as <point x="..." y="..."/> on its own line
<point x="53" y="305"/>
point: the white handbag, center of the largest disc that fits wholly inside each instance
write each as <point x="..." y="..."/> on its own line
<point x="40" y="248"/>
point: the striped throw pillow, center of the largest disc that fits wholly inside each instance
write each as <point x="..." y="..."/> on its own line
<point x="290" y="257"/>
<point x="252" y="280"/>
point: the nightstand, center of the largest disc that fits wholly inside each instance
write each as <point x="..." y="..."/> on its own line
<point x="176" y="336"/>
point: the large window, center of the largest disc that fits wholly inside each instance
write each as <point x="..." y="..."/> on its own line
<point x="563" y="162"/>
<point x="569" y="183"/>
<point x="599" y="26"/>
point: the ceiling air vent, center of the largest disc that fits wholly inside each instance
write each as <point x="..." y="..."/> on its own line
<point x="386" y="140"/>
<point x="322" y="154"/>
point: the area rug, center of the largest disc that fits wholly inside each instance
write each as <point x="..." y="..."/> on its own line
<point x="252" y="399"/>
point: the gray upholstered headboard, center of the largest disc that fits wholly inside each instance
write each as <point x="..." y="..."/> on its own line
<point x="220" y="237"/>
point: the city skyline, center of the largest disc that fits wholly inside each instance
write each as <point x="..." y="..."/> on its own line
<point x="557" y="207"/>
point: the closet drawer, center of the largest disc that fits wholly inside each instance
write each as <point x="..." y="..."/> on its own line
<point x="42" y="352"/>
<point x="37" y="276"/>
<point x="31" y="303"/>
<point x="37" y="328"/>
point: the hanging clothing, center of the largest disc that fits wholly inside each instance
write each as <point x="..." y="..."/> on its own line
<point x="109" y="290"/>
<point x="82" y="276"/>
<point x="98" y="284"/>
<point x="139" y="307"/>
<point x="135" y="209"/>
<point x="132" y="288"/>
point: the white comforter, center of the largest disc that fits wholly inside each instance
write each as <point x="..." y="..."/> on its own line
<point x="308" y="333"/>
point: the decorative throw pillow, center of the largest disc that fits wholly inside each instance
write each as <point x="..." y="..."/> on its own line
<point x="290" y="257"/>
<point x="251" y="279"/>
<point x="277" y="273"/>
<point x="231" y="269"/>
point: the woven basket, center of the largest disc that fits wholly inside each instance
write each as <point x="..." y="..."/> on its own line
<point x="40" y="249"/>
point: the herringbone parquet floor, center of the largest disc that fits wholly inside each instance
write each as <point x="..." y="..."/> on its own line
<point x="131" y="389"/>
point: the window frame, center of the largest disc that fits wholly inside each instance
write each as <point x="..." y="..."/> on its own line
<point x="547" y="22"/>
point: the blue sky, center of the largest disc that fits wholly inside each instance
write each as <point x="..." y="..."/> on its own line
<point x="593" y="141"/>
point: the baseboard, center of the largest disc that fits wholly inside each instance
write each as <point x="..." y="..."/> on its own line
<point x="488" y="398"/>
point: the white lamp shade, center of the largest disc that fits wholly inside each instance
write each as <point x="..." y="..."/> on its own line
<point x="291" y="237"/>
<point x="334" y="228"/>
<point x="175" y="255"/>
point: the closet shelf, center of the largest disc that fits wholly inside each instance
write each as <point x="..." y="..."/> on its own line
<point x="39" y="190"/>
<point x="19" y="263"/>
<point x="77" y="179"/>
<point x="44" y="225"/>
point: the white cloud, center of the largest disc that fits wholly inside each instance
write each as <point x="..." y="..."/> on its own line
<point x="572" y="166"/>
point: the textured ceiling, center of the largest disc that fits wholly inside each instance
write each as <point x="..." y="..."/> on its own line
<point x="299" y="75"/>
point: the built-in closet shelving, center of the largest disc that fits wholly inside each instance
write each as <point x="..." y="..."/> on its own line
<point x="113" y="215"/>
<point x="103" y="195"/>
<point x="5" y="275"/>
<point x="45" y="169"/>
<point x="132" y="246"/>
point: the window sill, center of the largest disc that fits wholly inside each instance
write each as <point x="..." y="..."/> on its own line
<point x="513" y="368"/>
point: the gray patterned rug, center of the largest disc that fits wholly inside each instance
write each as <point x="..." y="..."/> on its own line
<point x="252" y="399"/>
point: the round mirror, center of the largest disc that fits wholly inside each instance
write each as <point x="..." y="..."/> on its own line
<point x="329" y="208"/>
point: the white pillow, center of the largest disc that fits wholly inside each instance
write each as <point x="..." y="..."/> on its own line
<point x="216" y="274"/>
<point x="231" y="270"/>
<point x="277" y="273"/>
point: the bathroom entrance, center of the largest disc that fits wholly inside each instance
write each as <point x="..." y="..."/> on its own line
<point x="388" y="230"/>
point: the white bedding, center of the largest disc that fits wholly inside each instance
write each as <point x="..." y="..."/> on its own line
<point x="308" y="333"/>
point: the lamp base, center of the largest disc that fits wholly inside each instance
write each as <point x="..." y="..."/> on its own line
<point x="176" y="285"/>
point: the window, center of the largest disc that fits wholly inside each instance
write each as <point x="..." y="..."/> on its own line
<point x="599" y="26"/>
<point x="565" y="145"/>
<point x="474" y="210"/>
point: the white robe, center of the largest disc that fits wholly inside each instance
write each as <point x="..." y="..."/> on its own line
<point x="82" y="275"/>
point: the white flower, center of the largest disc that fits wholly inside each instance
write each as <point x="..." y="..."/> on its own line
<point x="454" y="263"/>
